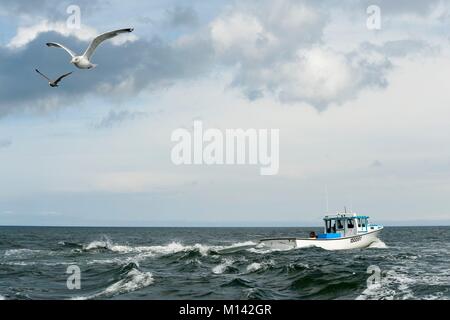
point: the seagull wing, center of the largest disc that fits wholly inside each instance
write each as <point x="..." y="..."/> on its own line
<point x="62" y="77"/>
<point x="99" y="39"/>
<point x="43" y="75"/>
<point x="57" y="45"/>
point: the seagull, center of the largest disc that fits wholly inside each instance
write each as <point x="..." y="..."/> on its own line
<point x="83" y="61"/>
<point x="53" y="83"/>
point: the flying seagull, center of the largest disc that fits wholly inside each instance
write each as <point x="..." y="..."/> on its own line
<point x="83" y="61"/>
<point x="53" y="83"/>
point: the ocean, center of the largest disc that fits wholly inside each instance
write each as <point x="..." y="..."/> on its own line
<point x="217" y="263"/>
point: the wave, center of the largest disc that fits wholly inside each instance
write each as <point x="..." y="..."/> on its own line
<point x="170" y="248"/>
<point x="265" y="250"/>
<point x="99" y="244"/>
<point x="391" y="286"/>
<point x="255" y="266"/>
<point x="258" y="266"/>
<point x="238" y="282"/>
<point x="222" y="267"/>
<point x="70" y="244"/>
<point x="133" y="279"/>
<point x="21" y="253"/>
<point x="18" y="263"/>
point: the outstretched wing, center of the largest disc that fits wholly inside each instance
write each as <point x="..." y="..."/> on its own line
<point x="62" y="77"/>
<point x="57" y="45"/>
<point x="42" y="75"/>
<point x="99" y="39"/>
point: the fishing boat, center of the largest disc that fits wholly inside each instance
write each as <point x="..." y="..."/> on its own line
<point x="341" y="232"/>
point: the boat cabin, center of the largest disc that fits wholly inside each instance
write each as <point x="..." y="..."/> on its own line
<point x="344" y="225"/>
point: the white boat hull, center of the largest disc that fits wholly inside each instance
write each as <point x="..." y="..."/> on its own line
<point x="352" y="242"/>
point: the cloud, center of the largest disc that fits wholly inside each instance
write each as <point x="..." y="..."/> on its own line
<point x="278" y="49"/>
<point x="50" y="9"/>
<point x="149" y="64"/>
<point x="117" y="117"/>
<point x="273" y="49"/>
<point x="27" y="34"/>
<point x="321" y="76"/>
<point x="417" y="7"/>
<point x="376" y="164"/>
<point x="401" y="48"/>
<point x="182" y="16"/>
<point x="5" y="143"/>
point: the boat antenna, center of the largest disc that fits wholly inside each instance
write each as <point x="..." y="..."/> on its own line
<point x="326" y="197"/>
<point x="351" y="203"/>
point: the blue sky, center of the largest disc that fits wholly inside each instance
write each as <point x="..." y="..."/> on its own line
<point x="363" y="112"/>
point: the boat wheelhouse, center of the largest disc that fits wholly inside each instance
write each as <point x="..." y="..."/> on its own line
<point x="345" y="225"/>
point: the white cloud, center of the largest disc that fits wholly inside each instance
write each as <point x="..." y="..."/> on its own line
<point x="317" y="75"/>
<point x="277" y="48"/>
<point x="241" y="36"/>
<point x="25" y="35"/>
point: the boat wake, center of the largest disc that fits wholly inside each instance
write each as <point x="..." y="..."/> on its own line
<point x="378" y="244"/>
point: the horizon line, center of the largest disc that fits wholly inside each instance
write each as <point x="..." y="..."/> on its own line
<point x="204" y="226"/>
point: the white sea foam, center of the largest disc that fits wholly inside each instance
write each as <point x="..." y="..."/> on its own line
<point x="392" y="286"/>
<point x="266" y="250"/>
<point x="255" y="266"/>
<point x="378" y="244"/>
<point x="134" y="280"/>
<point x="140" y="253"/>
<point x="98" y="244"/>
<point x="18" y="263"/>
<point x="106" y="261"/>
<point x="437" y="296"/>
<point x="240" y="244"/>
<point x="20" y="253"/>
<point x="33" y="263"/>
<point x="220" y="268"/>
<point x="170" y="248"/>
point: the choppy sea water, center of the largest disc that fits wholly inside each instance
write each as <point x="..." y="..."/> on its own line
<point x="219" y="263"/>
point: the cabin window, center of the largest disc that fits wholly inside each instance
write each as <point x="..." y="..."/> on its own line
<point x="328" y="226"/>
<point x="350" y="224"/>
<point x="364" y="223"/>
<point x="340" y="225"/>
<point x="359" y="223"/>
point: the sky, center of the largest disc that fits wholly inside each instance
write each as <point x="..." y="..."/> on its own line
<point x="362" y="112"/>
